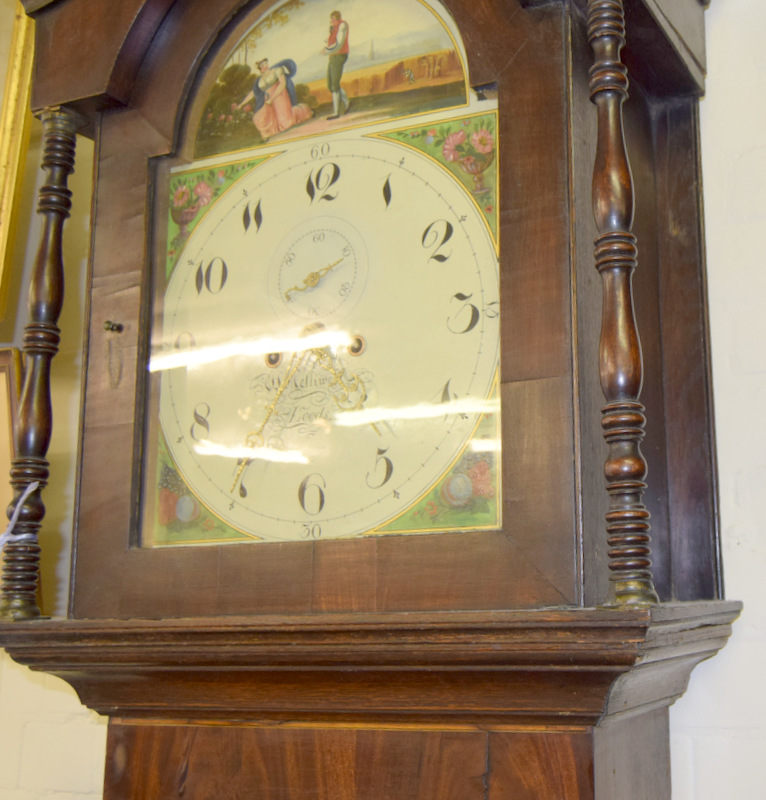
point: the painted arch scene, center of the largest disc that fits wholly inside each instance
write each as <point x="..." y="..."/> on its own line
<point x="312" y="66"/>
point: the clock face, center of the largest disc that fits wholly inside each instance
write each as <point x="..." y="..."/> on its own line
<point x="328" y="344"/>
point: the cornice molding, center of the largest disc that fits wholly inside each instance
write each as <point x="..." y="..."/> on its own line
<point x="557" y="666"/>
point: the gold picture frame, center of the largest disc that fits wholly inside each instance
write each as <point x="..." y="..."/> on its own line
<point x="14" y="137"/>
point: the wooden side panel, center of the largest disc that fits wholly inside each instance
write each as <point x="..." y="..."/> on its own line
<point x="591" y="448"/>
<point x="626" y="758"/>
<point x="234" y="763"/>
<point x="198" y="762"/>
<point x="639" y="111"/>
<point x="632" y="757"/>
<point x="541" y="765"/>
<point x="692" y="491"/>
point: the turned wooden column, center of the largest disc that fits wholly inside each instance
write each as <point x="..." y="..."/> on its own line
<point x="21" y="564"/>
<point x="620" y="358"/>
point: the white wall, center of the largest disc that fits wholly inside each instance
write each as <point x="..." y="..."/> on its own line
<point x="52" y="749"/>
<point x="719" y="726"/>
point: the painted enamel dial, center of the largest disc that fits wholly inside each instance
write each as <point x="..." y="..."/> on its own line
<point x="333" y="320"/>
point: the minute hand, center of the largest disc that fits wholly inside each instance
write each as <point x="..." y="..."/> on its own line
<point x="254" y="438"/>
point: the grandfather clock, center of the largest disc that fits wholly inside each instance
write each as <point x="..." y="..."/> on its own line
<point x="363" y="502"/>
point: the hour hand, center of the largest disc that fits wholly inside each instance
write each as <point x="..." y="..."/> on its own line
<point x="312" y="279"/>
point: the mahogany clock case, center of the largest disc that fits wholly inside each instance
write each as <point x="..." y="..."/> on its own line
<point x="551" y="549"/>
<point x="296" y="667"/>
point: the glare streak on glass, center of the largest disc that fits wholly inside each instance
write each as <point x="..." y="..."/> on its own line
<point x="208" y="448"/>
<point x="466" y="405"/>
<point x="192" y="357"/>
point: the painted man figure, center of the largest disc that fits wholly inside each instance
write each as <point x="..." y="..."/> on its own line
<point x="337" y="50"/>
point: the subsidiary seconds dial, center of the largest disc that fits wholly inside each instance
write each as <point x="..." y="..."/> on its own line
<point x="320" y="271"/>
<point x="339" y="355"/>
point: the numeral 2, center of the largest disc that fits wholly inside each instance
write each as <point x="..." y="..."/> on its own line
<point x="438" y="233"/>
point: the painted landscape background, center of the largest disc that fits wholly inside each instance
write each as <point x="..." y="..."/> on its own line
<point x="402" y="61"/>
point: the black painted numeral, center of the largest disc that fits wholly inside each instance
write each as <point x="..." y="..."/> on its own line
<point x="213" y="277"/>
<point x="321" y="180"/>
<point x="467" y="316"/>
<point x="387" y="191"/>
<point x="320" y="150"/>
<point x="185" y="341"/>
<point x="252" y="218"/>
<point x="311" y="530"/>
<point x="435" y="237"/>
<point x="201" y="416"/>
<point x="387" y="467"/>
<point x="311" y="493"/>
<point x="447" y="396"/>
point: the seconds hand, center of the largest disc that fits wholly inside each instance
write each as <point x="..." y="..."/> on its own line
<point x="312" y="279"/>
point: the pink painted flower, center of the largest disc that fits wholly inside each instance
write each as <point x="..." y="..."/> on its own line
<point x="203" y="192"/>
<point x="483" y="142"/>
<point x="181" y="196"/>
<point x="451" y="143"/>
<point x="481" y="480"/>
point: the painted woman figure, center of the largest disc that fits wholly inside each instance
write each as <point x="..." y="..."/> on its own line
<point x="276" y="105"/>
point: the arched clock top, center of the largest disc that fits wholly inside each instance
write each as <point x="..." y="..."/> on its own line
<point x="189" y="67"/>
<point x="95" y="72"/>
<point x="307" y="68"/>
<point x="151" y="52"/>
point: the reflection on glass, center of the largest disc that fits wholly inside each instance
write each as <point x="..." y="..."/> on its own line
<point x="198" y="356"/>
<point x="208" y="448"/>
<point x="465" y="405"/>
